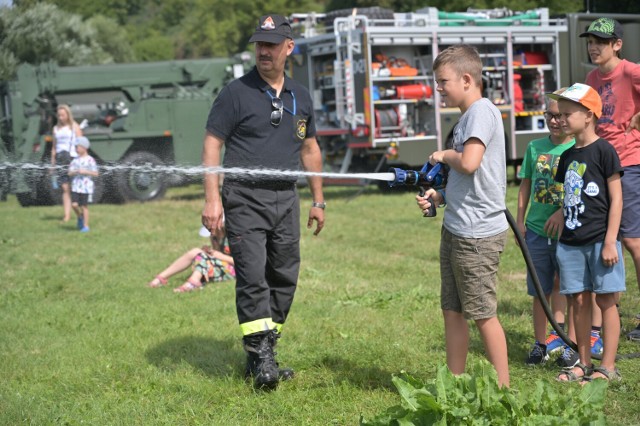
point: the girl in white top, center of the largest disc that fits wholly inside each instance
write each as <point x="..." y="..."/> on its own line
<point x="63" y="150"/>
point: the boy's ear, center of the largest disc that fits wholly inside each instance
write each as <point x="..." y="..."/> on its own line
<point x="467" y="79"/>
<point x="617" y="45"/>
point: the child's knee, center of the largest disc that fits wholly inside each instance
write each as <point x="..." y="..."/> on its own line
<point x="606" y="301"/>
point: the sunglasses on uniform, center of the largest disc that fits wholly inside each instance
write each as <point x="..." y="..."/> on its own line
<point x="278" y="108"/>
<point x="276" y="114"/>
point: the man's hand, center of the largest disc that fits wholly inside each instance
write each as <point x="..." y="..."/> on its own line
<point x="317" y="214"/>
<point x="212" y="216"/>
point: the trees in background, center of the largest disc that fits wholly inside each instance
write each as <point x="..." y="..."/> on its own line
<point x="79" y="32"/>
<point x="44" y="32"/>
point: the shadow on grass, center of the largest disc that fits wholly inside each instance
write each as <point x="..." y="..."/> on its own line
<point x="360" y="374"/>
<point x="186" y="197"/>
<point x="215" y="358"/>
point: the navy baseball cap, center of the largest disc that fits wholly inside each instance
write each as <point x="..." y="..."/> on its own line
<point x="606" y="28"/>
<point x="272" y="29"/>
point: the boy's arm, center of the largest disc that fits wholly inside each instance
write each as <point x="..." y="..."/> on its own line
<point x="524" y="194"/>
<point x="465" y="162"/>
<point x="609" y="249"/>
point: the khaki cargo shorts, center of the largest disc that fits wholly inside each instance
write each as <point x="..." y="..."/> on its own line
<point x="469" y="274"/>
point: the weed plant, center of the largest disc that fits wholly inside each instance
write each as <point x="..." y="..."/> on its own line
<point x="84" y="340"/>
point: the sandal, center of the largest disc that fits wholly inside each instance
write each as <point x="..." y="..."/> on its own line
<point x="158" y="281"/>
<point x="571" y="376"/>
<point x="608" y="374"/>
<point x="188" y="286"/>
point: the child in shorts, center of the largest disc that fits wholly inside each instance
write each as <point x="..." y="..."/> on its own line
<point x="543" y="196"/>
<point x="474" y="231"/>
<point x="82" y="170"/>
<point x="212" y="263"/>
<point x="589" y="250"/>
<point x="617" y="80"/>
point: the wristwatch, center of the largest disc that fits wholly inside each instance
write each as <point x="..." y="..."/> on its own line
<point x="321" y="205"/>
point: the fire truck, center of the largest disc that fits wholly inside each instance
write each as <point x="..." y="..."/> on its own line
<point x="373" y="87"/>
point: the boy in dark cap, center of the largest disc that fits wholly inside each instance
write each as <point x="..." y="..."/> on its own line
<point x="264" y="120"/>
<point x="618" y="84"/>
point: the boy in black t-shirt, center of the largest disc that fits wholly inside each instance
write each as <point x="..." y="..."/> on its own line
<point x="589" y="252"/>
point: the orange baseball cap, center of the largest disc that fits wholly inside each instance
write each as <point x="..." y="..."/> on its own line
<point x="582" y="94"/>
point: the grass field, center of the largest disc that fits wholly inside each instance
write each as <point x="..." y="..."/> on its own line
<point x="83" y="340"/>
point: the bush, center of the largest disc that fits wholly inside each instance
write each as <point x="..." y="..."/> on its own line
<point x="476" y="399"/>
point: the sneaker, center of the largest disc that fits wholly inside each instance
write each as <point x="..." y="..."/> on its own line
<point x="85" y="229"/>
<point x="554" y="343"/>
<point x="568" y="359"/>
<point x="596" y="344"/>
<point x="538" y="354"/>
<point x="634" y="334"/>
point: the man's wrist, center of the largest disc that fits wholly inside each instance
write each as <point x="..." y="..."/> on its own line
<point x="322" y="205"/>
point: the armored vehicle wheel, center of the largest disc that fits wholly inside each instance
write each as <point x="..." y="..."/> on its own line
<point x="143" y="182"/>
<point x="41" y="193"/>
<point x="26" y="199"/>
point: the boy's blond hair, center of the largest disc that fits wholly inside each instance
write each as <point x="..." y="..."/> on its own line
<point x="463" y="59"/>
<point x="549" y="101"/>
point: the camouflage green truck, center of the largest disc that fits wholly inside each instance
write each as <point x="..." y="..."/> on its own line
<point x="135" y="115"/>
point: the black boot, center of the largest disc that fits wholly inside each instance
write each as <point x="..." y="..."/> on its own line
<point x="283" y="373"/>
<point x="261" y="363"/>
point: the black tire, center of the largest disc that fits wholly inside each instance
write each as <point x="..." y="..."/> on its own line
<point x="141" y="184"/>
<point x="47" y="195"/>
<point x="26" y="199"/>
<point x="41" y="191"/>
<point x="98" y="188"/>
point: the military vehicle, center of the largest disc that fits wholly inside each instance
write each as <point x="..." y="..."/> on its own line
<point x="138" y="117"/>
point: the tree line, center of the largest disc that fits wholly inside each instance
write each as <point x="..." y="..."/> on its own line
<point x="79" y="32"/>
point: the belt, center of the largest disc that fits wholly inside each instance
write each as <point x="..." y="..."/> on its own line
<point x="275" y="185"/>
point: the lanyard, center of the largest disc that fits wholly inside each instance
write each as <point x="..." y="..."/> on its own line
<point x="284" y="107"/>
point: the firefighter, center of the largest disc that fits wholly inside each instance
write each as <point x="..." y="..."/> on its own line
<point x="264" y="120"/>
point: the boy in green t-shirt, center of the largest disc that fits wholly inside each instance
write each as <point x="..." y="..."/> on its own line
<point x="543" y="196"/>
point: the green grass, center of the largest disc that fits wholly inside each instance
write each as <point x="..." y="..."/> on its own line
<point x="83" y="340"/>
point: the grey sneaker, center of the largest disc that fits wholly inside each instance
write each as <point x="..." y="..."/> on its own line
<point x="634" y="334"/>
<point x="538" y="354"/>
<point x="568" y="359"/>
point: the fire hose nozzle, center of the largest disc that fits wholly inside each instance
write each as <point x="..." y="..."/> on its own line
<point x="429" y="176"/>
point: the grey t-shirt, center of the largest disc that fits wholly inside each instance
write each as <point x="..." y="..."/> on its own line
<point x="475" y="202"/>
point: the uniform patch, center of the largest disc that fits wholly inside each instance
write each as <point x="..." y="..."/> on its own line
<point x="301" y="129"/>
<point x="268" y="24"/>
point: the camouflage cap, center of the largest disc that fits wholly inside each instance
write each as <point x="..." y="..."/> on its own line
<point x="606" y="28"/>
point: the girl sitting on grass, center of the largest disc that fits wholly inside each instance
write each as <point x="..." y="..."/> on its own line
<point x="208" y="264"/>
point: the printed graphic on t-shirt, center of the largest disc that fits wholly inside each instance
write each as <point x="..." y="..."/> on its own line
<point x="546" y="189"/>
<point x="83" y="184"/>
<point x="608" y="104"/>
<point x="573" y="204"/>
